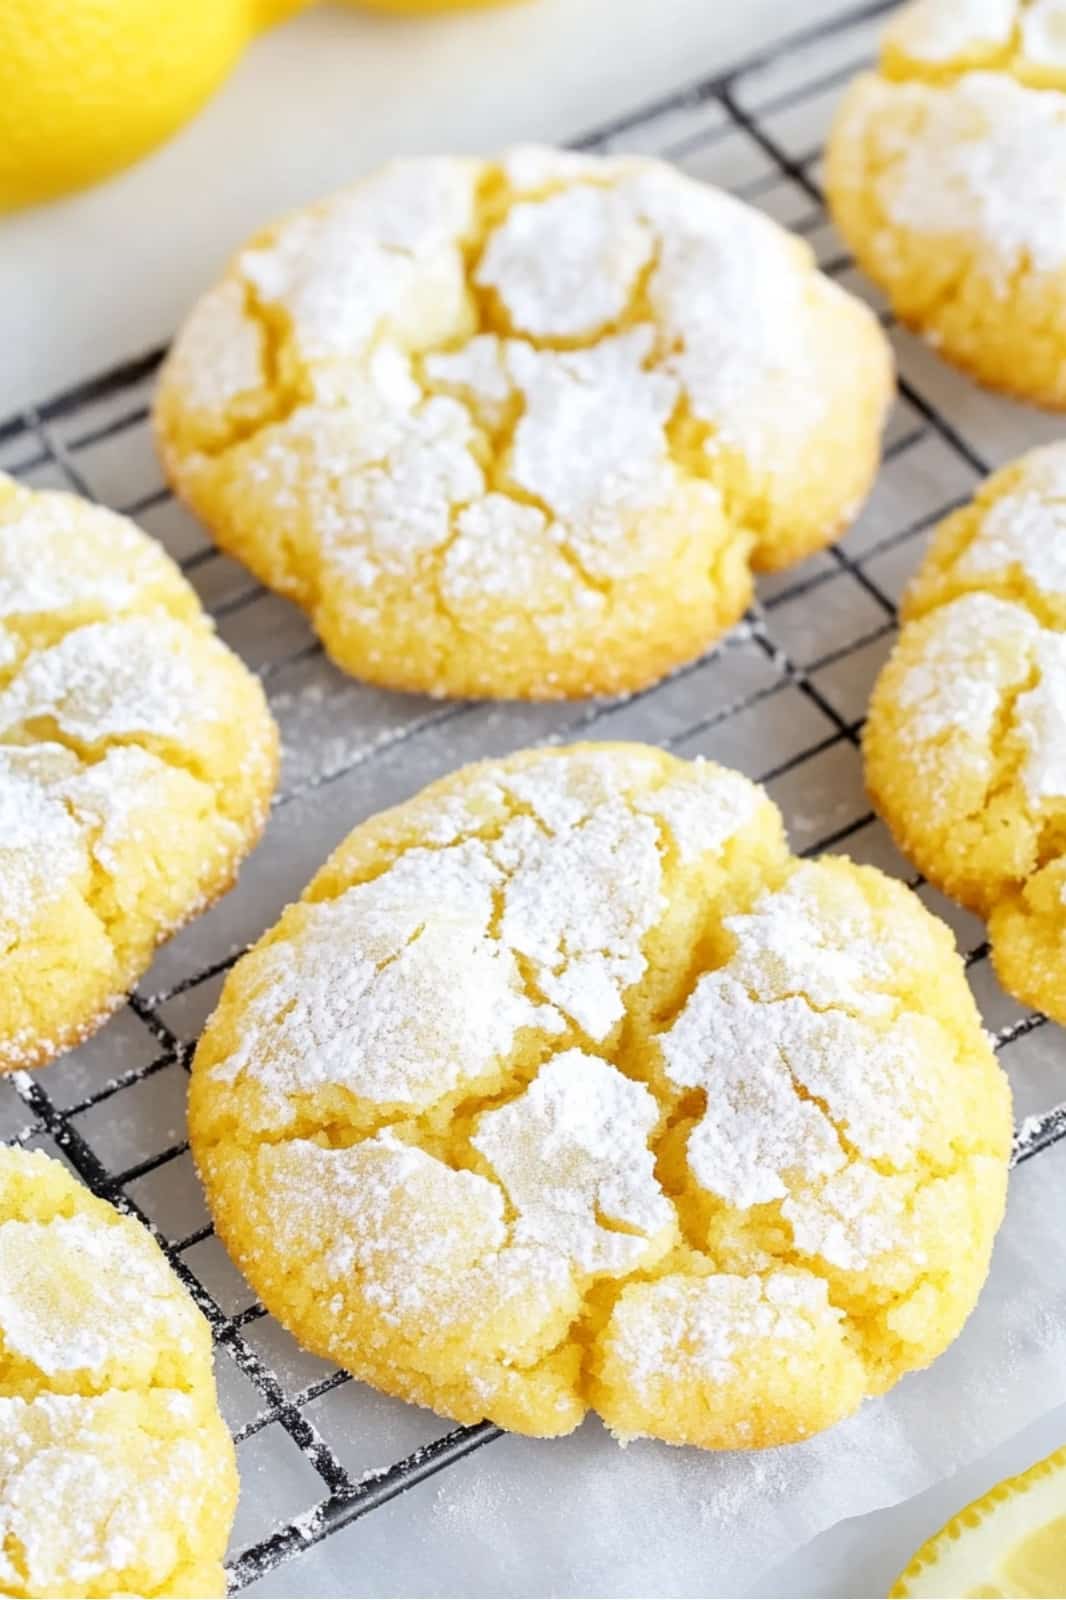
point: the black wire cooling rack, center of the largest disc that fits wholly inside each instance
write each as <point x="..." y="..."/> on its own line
<point x="782" y="698"/>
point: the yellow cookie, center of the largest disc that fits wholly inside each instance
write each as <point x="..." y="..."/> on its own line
<point x="523" y="427"/>
<point x="946" y="170"/>
<point x="566" y="1086"/>
<point x="117" y="1475"/>
<point x="137" y="760"/>
<point x="966" y="738"/>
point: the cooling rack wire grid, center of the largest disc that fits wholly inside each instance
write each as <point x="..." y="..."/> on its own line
<point x="782" y="698"/>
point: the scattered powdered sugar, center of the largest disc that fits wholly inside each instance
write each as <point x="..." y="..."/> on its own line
<point x="984" y="158"/>
<point x="80" y="1294"/>
<point x="421" y="1239"/>
<point x="756" y="1134"/>
<point x="943" y="30"/>
<point x="130" y="676"/>
<point x="112" y="796"/>
<point x="536" y="166"/>
<point x="592" y="440"/>
<point x="480" y="369"/>
<point x="572" y="1153"/>
<point x="505" y="550"/>
<point x="439" y="1014"/>
<point x="778" y="1067"/>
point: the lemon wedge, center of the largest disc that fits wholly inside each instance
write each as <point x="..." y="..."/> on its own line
<point x="1010" y="1542"/>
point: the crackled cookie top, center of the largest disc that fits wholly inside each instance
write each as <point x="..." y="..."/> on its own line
<point x="566" y="1086"/>
<point x="946" y="170"/>
<point x="116" y="1473"/>
<point x="521" y="427"/>
<point x="966" y="739"/>
<point x="136" y="762"/>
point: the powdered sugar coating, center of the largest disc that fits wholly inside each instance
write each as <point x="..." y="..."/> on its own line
<point x="572" y="1154"/>
<point x="116" y="1472"/>
<point x="79" y="1297"/>
<point x="1025" y="528"/>
<point x="944" y="170"/>
<point x="680" y="1328"/>
<point x="940" y="31"/>
<point x="958" y="684"/>
<point x="586" y="372"/>
<point x="670" y="1079"/>
<point x="1043" y="33"/>
<point x="41" y="847"/>
<point x="989" y="162"/>
<point x="966" y="737"/>
<point x="135" y="676"/>
<point x="954" y="33"/>
<point x="979" y="652"/>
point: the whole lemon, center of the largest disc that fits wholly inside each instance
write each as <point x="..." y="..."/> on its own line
<point x="87" y="86"/>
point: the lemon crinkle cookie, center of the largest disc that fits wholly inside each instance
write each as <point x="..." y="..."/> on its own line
<point x="117" y="1475"/>
<point x="945" y="173"/>
<point x="137" y="759"/>
<point x="565" y="1086"/>
<point x="966" y="739"/>
<point x="523" y="427"/>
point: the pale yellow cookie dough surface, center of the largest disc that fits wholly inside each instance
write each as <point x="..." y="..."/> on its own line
<point x="965" y="743"/>
<point x="945" y="173"/>
<point x="566" y="1087"/>
<point x="117" y="1475"/>
<point x="523" y="427"/>
<point x="137" y="760"/>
